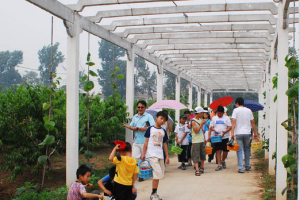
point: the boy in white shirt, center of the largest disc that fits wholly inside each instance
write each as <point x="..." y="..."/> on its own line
<point x="156" y="141"/>
<point x="181" y="133"/>
<point x="221" y="125"/>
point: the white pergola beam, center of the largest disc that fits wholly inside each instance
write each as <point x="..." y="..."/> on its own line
<point x="184" y="28"/>
<point x="194" y="19"/>
<point x="186" y="9"/>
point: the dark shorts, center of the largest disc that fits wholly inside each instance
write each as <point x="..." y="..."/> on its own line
<point x="198" y="152"/>
<point x="123" y="192"/>
<point x="182" y="156"/>
<point x="222" y="145"/>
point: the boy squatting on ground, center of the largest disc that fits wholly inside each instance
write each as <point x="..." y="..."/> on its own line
<point x="126" y="173"/>
<point x="156" y="138"/>
<point x="109" y="187"/>
<point x="77" y="190"/>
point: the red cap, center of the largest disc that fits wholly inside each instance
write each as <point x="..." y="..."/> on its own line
<point x="121" y="143"/>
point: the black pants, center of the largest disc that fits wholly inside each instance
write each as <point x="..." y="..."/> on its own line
<point x="123" y="192"/>
<point x="182" y="156"/>
<point x="189" y="151"/>
<point x="164" y="151"/>
<point x="211" y="156"/>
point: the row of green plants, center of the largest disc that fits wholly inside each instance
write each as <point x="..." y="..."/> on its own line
<point x="289" y="160"/>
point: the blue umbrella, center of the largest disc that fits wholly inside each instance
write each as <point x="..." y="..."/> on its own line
<point x="154" y="112"/>
<point x="252" y="105"/>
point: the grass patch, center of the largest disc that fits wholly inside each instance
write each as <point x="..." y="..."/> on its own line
<point x="268" y="181"/>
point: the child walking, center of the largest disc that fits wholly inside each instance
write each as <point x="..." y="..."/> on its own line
<point x="126" y="172"/>
<point x="198" y="148"/>
<point x="156" y="138"/>
<point x="77" y="190"/>
<point x="181" y="133"/>
<point x="189" y="136"/>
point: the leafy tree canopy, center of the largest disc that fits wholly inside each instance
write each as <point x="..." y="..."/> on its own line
<point x="8" y="74"/>
<point x="45" y="62"/>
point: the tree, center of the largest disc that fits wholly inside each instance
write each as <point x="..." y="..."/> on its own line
<point x="145" y="81"/>
<point x="31" y="77"/>
<point x="170" y="85"/>
<point x="45" y="62"/>
<point x="8" y="74"/>
<point x="110" y="56"/>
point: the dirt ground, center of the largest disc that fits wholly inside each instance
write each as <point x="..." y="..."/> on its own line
<point x="8" y="188"/>
<point x="227" y="184"/>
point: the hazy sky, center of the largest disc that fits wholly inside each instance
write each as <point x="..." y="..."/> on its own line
<point x="28" y="28"/>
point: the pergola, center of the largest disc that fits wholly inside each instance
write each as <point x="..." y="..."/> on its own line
<point x="214" y="46"/>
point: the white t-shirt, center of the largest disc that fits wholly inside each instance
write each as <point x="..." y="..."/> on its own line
<point x="221" y="124"/>
<point x="181" y="130"/>
<point x="157" y="137"/>
<point x="243" y="116"/>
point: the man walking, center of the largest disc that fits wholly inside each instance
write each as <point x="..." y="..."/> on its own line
<point x="242" y="120"/>
<point x="139" y="126"/>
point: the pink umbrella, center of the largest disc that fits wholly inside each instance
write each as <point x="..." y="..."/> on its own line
<point x="171" y="104"/>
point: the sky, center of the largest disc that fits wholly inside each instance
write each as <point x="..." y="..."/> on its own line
<point x="28" y="28"/>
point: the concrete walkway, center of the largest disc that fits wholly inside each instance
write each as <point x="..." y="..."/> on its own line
<point x="226" y="184"/>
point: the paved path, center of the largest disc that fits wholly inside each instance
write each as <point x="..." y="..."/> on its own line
<point x="226" y="184"/>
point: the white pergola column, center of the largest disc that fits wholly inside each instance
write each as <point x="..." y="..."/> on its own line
<point x="72" y="135"/>
<point x="177" y="96"/>
<point x="160" y="85"/>
<point x="267" y="108"/>
<point x="211" y="98"/>
<point x="205" y="98"/>
<point x="190" y="96"/>
<point x="199" y="97"/>
<point x="130" y="92"/>
<point x="283" y="47"/>
<point x="260" y="113"/>
<point x="273" y="119"/>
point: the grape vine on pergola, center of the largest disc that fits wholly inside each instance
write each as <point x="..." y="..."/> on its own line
<point x="214" y="46"/>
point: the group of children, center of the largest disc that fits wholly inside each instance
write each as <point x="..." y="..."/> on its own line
<point x="196" y="133"/>
<point x="126" y="170"/>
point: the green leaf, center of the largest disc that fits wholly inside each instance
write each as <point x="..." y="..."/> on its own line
<point x="284" y="190"/>
<point x="83" y="78"/>
<point x="113" y="75"/>
<point x="41" y="145"/>
<point x="284" y="159"/>
<point x="55" y="129"/>
<point x="49" y="125"/>
<point x="90" y="64"/>
<point x="292" y="91"/>
<point x="286" y="57"/>
<point x="275" y="98"/>
<point x="89" y="85"/>
<point x="293" y="73"/>
<point x="93" y="73"/>
<point x="42" y="159"/>
<point x="46" y="106"/>
<point x="46" y="118"/>
<point x="54" y="101"/>
<point x="120" y="76"/>
<point x="117" y="69"/>
<point x="59" y="112"/>
<point x="49" y="91"/>
<point x="292" y="149"/>
<point x="290" y="62"/>
<point x="49" y="140"/>
<point x="88" y="57"/>
<point x="53" y="75"/>
<point x="275" y="80"/>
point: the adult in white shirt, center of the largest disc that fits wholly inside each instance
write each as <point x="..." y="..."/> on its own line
<point x="220" y="125"/>
<point x="242" y="120"/>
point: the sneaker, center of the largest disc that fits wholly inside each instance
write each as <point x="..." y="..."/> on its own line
<point x="189" y="164"/>
<point x="248" y="169"/>
<point x="241" y="171"/>
<point x="155" y="197"/>
<point x="219" y="168"/>
<point x="209" y="160"/>
<point x="223" y="164"/>
<point x="183" y="167"/>
<point x="141" y="179"/>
